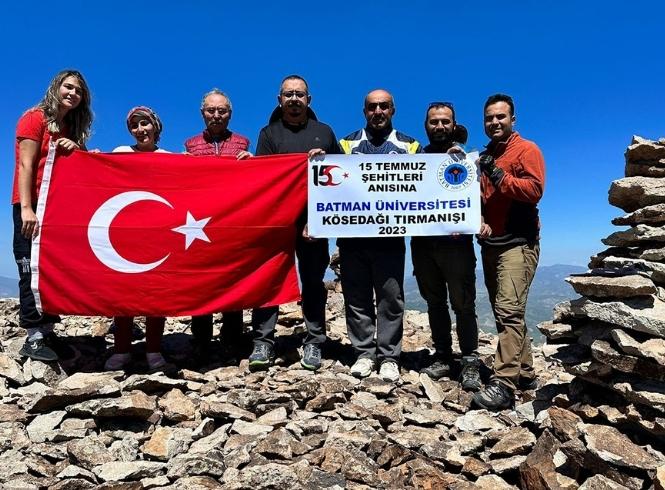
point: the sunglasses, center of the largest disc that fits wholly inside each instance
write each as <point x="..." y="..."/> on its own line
<point x="297" y="93"/>
<point x="384" y="106"/>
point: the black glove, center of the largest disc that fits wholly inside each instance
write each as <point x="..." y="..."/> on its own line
<point x="489" y="168"/>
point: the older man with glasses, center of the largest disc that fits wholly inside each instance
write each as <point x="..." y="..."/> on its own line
<point x="375" y="266"/>
<point x="294" y="128"/>
<point x="217" y="140"/>
<point x="444" y="267"/>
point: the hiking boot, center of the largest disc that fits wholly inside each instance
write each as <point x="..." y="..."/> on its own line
<point x="311" y="357"/>
<point x="117" y="361"/>
<point x="156" y="361"/>
<point x="262" y="357"/>
<point x="470" y="376"/>
<point x="494" y="397"/>
<point x="389" y="371"/>
<point x="437" y="370"/>
<point x="38" y="350"/>
<point x="528" y="384"/>
<point x="362" y="368"/>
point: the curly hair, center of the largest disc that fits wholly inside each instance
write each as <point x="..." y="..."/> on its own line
<point x="78" y="120"/>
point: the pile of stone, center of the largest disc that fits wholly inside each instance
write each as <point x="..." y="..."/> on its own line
<point x="612" y="339"/>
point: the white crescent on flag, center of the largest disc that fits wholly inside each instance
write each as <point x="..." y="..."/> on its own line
<point x="100" y="239"/>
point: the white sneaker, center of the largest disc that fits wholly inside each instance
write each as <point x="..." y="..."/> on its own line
<point x="363" y="367"/>
<point x="155" y="360"/>
<point x="389" y="371"/>
<point x="117" y="361"/>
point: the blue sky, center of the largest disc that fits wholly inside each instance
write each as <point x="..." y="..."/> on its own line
<point x="585" y="76"/>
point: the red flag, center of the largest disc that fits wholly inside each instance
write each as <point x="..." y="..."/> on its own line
<point x="167" y="234"/>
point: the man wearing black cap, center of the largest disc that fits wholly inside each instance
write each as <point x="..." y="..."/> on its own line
<point x="294" y="128"/>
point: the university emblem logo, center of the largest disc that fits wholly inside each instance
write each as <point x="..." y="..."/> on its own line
<point x="455" y="175"/>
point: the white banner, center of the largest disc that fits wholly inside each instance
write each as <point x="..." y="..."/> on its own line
<point x="393" y="195"/>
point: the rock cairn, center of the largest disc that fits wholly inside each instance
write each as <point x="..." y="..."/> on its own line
<point x="612" y="339"/>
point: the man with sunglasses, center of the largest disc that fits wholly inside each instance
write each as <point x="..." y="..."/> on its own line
<point x="445" y="266"/>
<point x="294" y="128"/>
<point x="375" y="266"/>
<point x="217" y="140"/>
<point x="512" y="183"/>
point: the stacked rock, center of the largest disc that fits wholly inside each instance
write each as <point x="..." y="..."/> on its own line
<point x="612" y="339"/>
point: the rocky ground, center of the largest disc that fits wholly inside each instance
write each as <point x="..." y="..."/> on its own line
<point x="71" y="426"/>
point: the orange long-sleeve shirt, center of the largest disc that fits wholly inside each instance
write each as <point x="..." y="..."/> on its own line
<point x="511" y="209"/>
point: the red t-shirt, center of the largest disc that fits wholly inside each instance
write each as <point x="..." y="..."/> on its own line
<point x="33" y="126"/>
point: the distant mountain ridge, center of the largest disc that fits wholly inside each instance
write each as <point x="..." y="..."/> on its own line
<point x="548" y="289"/>
<point x="8" y="287"/>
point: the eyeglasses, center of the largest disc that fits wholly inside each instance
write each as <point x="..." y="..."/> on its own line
<point x="212" y="110"/>
<point x="449" y="105"/>
<point x="384" y="106"/>
<point x="297" y="93"/>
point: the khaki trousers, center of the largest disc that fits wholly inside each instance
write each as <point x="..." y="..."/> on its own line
<point x="509" y="270"/>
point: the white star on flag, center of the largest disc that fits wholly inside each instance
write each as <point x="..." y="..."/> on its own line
<point x="193" y="229"/>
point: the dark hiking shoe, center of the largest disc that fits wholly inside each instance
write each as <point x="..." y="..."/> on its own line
<point x="38" y="350"/>
<point x="528" y="384"/>
<point x="262" y="357"/>
<point x="494" y="397"/>
<point x="311" y="357"/>
<point x="437" y="370"/>
<point x="470" y="376"/>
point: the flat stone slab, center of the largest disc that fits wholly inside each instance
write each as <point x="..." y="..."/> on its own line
<point x="613" y="447"/>
<point x="636" y="236"/>
<point x="556" y="331"/>
<point x="612" y="287"/>
<point x="653" y="349"/>
<point x="654" y="270"/>
<point x="645" y="315"/>
<point x="650" y="215"/>
<point x="633" y="193"/>
<point x="603" y="351"/>
<point x="636" y="170"/>
<point x="643" y="150"/>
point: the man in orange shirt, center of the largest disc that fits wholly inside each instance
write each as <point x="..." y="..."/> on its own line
<point x="512" y="183"/>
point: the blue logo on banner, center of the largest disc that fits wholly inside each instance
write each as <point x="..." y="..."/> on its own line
<point x="455" y="174"/>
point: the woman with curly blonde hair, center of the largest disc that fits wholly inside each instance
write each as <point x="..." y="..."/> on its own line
<point x="60" y="122"/>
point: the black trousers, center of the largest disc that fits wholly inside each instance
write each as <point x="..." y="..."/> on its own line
<point x="313" y="259"/>
<point x="28" y="315"/>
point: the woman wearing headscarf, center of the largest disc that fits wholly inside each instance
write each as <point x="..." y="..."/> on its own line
<point x="146" y="127"/>
<point x="59" y="123"/>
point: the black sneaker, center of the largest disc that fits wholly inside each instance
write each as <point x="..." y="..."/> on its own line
<point x="437" y="370"/>
<point x="38" y="350"/>
<point x="311" y="357"/>
<point x="470" y="376"/>
<point x="495" y="396"/>
<point x="262" y="357"/>
<point x="528" y="384"/>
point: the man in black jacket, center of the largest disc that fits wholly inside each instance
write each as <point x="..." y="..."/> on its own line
<point x="445" y="266"/>
<point x="293" y="128"/>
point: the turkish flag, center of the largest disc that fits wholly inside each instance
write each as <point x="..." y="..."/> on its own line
<point x="167" y="234"/>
